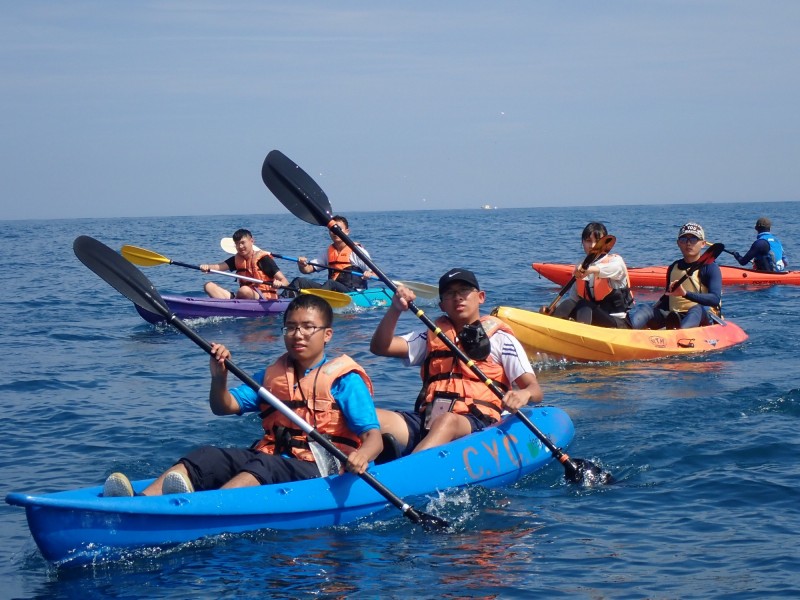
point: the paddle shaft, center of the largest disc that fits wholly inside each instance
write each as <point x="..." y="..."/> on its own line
<point x="559" y="454"/>
<point x="302" y="195"/>
<point x="234" y="275"/>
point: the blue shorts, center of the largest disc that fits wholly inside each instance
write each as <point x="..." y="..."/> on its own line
<point x="210" y="467"/>
<point x="415" y="432"/>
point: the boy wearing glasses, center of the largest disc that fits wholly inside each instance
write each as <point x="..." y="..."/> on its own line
<point x="333" y="395"/>
<point x="453" y="402"/>
<point x="688" y="304"/>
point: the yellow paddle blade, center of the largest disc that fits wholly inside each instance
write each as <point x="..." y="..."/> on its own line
<point x="335" y="299"/>
<point x="144" y="258"/>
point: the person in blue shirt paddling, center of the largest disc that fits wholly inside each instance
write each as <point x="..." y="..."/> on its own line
<point x="333" y="395"/>
<point x="766" y="253"/>
<point x="690" y="303"/>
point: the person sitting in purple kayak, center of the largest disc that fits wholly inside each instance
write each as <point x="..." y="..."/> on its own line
<point x="248" y="263"/>
<point x="334" y="394"/>
<point x="766" y="253"/>
<point x="688" y="304"/>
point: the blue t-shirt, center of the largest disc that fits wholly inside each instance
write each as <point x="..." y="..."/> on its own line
<point x="349" y="391"/>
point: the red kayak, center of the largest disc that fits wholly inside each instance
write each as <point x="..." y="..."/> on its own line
<point x="656" y="277"/>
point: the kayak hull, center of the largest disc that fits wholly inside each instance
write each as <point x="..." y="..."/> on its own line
<point x="656" y="277"/>
<point x="191" y="307"/>
<point x="560" y="338"/>
<point x="80" y="525"/>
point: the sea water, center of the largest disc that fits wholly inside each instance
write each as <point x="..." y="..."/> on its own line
<point x="704" y="449"/>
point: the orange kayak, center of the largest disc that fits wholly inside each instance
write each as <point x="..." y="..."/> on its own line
<point x="559" y="338"/>
<point x="656" y="277"/>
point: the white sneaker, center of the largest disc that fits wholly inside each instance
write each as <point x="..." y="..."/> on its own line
<point x="117" y="486"/>
<point x="176" y="483"/>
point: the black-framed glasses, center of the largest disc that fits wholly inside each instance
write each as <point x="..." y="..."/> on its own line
<point x="688" y="239"/>
<point x="305" y="330"/>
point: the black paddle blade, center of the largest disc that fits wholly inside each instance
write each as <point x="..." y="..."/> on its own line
<point x="428" y="522"/>
<point x="586" y="473"/>
<point x="119" y="274"/>
<point x="295" y="189"/>
<point x="711" y="254"/>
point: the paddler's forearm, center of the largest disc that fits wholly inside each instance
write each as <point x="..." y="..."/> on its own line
<point x="384" y="333"/>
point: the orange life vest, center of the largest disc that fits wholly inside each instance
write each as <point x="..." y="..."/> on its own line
<point x="248" y="267"/>
<point x="612" y="300"/>
<point x="313" y="402"/>
<point x="442" y="371"/>
<point x="339" y="259"/>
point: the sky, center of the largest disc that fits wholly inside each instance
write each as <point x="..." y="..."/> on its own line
<point x="168" y="108"/>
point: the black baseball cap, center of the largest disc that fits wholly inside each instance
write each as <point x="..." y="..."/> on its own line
<point x="462" y="275"/>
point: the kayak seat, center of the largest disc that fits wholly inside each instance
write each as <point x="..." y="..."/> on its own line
<point x="391" y="449"/>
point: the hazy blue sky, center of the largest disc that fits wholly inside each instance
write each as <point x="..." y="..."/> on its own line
<point x="169" y="108"/>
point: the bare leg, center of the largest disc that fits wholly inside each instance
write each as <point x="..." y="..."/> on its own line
<point x="394" y="423"/>
<point x="215" y="291"/>
<point x="446" y="428"/>
<point x="241" y="480"/>
<point x="154" y="489"/>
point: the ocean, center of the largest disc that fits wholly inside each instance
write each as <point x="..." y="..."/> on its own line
<point x="704" y="449"/>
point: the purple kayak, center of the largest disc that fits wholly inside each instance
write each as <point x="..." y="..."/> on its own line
<point x="188" y="307"/>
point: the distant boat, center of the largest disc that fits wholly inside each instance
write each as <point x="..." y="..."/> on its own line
<point x="488" y="207"/>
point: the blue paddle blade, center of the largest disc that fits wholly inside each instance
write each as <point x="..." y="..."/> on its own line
<point x="295" y="189"/>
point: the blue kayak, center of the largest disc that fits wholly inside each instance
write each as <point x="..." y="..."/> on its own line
<point x="193" y="307"/>
<point x="81" y="526"/>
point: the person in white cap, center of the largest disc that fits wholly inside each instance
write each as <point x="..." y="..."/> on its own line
<point x="688" y="304"/>
<point x="766" y="253"/>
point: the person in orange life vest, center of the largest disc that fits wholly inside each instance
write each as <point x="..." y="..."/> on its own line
<point x="249" y="263"/>
<point x="333" y="395"/>
<point x="340" y="256"/>
<point x="601" y="294"/>
<point x="453" y="401"/>
<point x="689" y="304"/>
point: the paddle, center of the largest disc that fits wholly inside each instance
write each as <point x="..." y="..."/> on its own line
<point x="423" y="290"/>
<point x="723" y="249"/>
<point x="148" y="258"/>
<point x="601" y="247"/>
<point x="132" y="283"/>
<point x="706" y="258"/>
<point x="299" y="193"/>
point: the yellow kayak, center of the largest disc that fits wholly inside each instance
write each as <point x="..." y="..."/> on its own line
<point x="559" y="338"/>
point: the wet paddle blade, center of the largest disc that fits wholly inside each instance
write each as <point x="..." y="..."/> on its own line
<point x="295" y="189"/>
<point x="430" y="522"/>
<point x="143" y="257"/>
<point x="335" y="299"/>
<point x="586" y="473"/>
<point x="119" y="274"/>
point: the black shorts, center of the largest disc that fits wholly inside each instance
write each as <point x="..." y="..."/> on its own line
<point x="414" y="422"/>
<point x="210" y="467"/>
